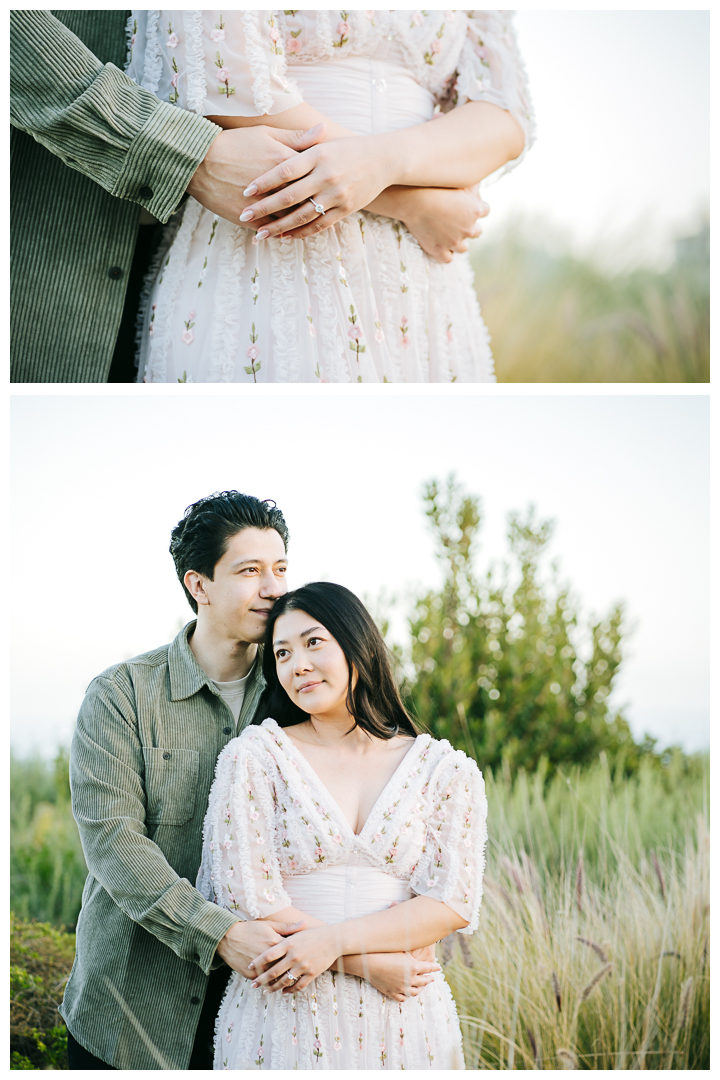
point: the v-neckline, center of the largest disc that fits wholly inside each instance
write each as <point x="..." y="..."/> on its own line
<point x="330" y="799"/>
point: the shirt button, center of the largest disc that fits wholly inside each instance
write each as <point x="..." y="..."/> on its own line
<point x="115" y="272"/>
<point x="145" y="193"/>
<point x="194" y="1000"/>
<point x="227" y="731"/>
<point x="167" y="756"/>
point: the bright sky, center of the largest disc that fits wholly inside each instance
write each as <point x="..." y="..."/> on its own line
<point x="101" y="480"/>
<point x="623" y="112"/>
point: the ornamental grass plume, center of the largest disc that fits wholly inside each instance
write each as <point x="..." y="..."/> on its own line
<point x="599" y="989"/>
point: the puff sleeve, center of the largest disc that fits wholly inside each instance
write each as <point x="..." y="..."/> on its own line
<point x="491" y="68"/>
<point x="240" y="869"/>
<point x="212" y="63"/>
<point x="452" y="864"/>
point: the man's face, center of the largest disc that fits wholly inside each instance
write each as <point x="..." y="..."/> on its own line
<point x="247" y="581"/>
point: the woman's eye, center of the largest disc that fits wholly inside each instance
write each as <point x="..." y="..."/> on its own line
<point x="281" y="654"/>
<point x="314" y="641"/>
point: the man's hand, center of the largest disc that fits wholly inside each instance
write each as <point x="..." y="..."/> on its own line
<point x="236" y="157"/>
<point x="442" y="220"/>
<point x="244" y="940"/>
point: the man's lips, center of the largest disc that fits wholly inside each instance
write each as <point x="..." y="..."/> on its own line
<point x="261" y="610"/>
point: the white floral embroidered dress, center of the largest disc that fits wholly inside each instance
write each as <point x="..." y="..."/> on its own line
<point x="361" y="302"/>
<point x="275" y="837"/>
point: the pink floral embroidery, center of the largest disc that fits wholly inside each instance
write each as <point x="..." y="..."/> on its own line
<point x="343" y="30"/>
<point x="223" y="77"/>
<point x="435" y="47"/>
<point x="173" y="40"/>
<point x="188" y="335"/>
<point x="218" y="34"/>
<point x="275" y="45"/>
<point x="418" y="19"/>
<point x="404" y="328"/>
<point x="253" y="352"/>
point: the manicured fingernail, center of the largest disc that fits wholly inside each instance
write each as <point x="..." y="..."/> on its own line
<point x="246" y="215"/>
<point x="263" y="234"/>
<point x="252" y="190"/>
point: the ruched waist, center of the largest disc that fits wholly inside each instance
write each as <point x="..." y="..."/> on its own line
<point x="346" y="890"/>
<point x="366" y="95"/>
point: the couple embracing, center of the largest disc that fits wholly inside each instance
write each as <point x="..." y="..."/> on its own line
<point x="294" y="928"/>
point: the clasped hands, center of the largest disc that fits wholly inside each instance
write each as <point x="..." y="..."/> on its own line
<point x="342" y="176"/>
<point x="265" y="951"/>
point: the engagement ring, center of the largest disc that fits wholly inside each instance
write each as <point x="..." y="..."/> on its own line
<point x="291" y="977"/>
<point x="318" y="206"/>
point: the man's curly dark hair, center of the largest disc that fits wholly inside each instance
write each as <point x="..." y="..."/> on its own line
<point x="201" y="538"/>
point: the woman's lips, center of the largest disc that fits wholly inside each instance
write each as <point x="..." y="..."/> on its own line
<point x="307" y="687"/>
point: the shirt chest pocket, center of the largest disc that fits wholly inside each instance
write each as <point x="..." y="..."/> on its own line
<point x="170" y="784"/>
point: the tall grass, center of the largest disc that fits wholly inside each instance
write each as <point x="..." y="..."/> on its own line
<point x="558" y="318"/>
<point x="47" y="868"/>
<point x="592" y="950"/>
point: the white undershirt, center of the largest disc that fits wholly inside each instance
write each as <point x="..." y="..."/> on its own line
<point x="233" y="693"/>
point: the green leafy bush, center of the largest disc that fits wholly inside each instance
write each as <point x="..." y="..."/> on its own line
<point x="40" y="962"/>
<point x="498" y="663"/>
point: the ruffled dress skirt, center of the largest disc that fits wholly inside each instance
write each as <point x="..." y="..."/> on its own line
<point x="337" y="1022"/>
<point x="360" y="303"/>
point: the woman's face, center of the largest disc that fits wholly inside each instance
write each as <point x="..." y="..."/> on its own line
<point x="310" y="665"/>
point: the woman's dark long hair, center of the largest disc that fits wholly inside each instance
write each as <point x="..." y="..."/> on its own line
<point x="374" y="701"/>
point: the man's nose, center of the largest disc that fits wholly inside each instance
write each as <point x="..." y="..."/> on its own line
<point x="270" y="586"/>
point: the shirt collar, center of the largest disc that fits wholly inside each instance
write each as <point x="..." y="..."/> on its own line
<point x="186" y="675"/>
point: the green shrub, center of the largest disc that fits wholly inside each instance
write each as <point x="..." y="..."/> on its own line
<point x="40" y="962"/>
<point x="502" y="665"/>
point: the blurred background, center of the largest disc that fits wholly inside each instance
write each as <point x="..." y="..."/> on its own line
<point x="539" y="564"/>
<point x="594" y="263"/>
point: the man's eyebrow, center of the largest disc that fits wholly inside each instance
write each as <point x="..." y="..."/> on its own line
<point x="281" y="641"/>
<point x="246" y="562"/>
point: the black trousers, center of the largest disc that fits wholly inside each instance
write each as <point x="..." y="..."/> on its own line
<point x="202" y="1053"/>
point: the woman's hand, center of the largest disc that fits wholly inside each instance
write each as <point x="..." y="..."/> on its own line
<point x="399" y="975"/>
<point x="442" y="220"/>
<point x="342" y="176"/>
<point x="305" y="954"/>
<point x="236" y="156"/>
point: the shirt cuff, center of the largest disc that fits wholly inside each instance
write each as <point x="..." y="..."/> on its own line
<point x="204" y="934"/>
<point x="162" y="159"/>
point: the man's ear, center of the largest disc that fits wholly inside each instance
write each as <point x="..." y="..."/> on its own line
<point x="195" y="585"/>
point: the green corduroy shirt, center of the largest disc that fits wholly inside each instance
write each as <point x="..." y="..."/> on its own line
<point x="142" y="764"/>
<point x="89" y="148"/>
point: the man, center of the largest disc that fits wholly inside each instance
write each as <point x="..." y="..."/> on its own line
<point x="93" y="156"/>
<point x="150" y="967"/>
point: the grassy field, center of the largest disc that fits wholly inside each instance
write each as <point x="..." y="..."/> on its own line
<point x="556" y="318"/>
<point x="593" y="945"/>
<point x="592" y="950"/>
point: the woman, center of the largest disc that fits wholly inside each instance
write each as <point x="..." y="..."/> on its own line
<point x="337" y="814"/>
<point x="355" y="270"/>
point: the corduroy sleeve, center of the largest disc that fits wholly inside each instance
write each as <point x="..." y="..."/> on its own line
<point x="107" y="769"/>
<point x="97" y="120"/>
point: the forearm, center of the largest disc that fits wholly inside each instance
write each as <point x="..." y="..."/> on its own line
<point x="293" y="915"/>
<point x="456" y="150"/>
<point x="411" y="925"/>
<point x="394" y="202"/>
<point x="97" y="120"/>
